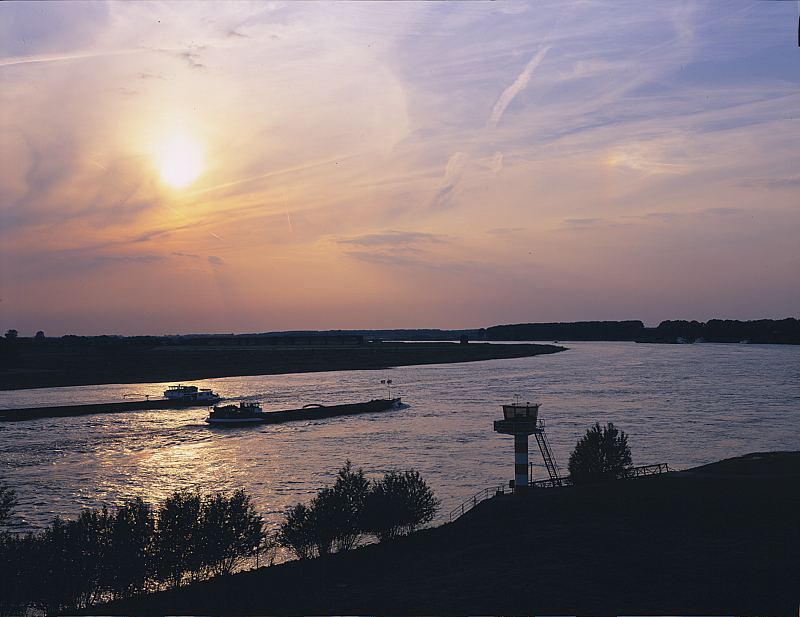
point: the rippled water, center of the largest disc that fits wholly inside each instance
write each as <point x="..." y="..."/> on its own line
<point x="680" y="404"/>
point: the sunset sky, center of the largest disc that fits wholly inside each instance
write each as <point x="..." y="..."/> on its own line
<point x="244" y="167"/>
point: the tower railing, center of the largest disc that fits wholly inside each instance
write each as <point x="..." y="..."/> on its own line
<point x="478" y="497"/>
<point x="625" y="474"/>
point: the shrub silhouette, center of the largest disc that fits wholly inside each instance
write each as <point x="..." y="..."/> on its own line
<point x="131" y="562"/>
<point x="177" y="545"/>
<point x="230" y="530"/>
<point x="398" y="504"/>
<point x="296" y="533"/>
<point x="337" y="517"/>
<point x="332" y="520"/>
<point x="602" y="453"/>
<point x="70" y="558"/>
<point x="8" y="501"/>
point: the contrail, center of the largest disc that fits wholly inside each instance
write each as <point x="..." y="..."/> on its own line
<point x="514" y="89"/>
<point x="271" y="174"/>
<point x="54" y="58"/>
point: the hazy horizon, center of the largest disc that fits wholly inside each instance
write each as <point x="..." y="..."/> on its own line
<point x="269" y="166"/>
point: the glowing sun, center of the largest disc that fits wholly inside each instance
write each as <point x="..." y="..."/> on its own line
<point x="179" y="161"/>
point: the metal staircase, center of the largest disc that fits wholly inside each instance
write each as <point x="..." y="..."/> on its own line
<point x="547" y="455"/>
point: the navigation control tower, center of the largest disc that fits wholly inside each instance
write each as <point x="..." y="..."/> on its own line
<point x="521" y="421"/>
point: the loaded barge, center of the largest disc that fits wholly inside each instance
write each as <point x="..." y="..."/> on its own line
<point x="250" y="413"/>
<point x="175" y="396"/>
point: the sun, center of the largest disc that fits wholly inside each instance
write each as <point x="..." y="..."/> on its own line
<point x="179" y="161"/>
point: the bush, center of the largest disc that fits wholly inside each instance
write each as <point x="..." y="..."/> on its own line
<point x="332" y="520"/>
<point x="179" y="538"/>
<point x="296" y="532"/>
<point x="8" y="501"/>
<point x="345" y="506"/>
<point x="602" y="453"/>
<point x="339" y="515"/>
<point x="131" y="562"/>
<point x="231" y="531"/>
<point x="70" y="557"/>
<point x="399" y="503"/>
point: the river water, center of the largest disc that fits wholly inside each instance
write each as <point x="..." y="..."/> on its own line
<point x="680" y="404"/>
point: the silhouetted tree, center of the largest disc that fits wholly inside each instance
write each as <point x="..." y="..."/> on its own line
<point x="70" y="557"/>
<point x="39" y="336"/>
<point x="332" y="520"/>
<point x="399" y="503"/>
<point x="296" y="532"/>
<point x="178" y="538"/>
<point x="18" y="571"/>
<point x="11" y="334"/>
<point x="8" y="501"/>
<point x="131" y="561"/>
<point x="348" y="497"/>
<point x="602" y="453"/>
<point x="231" y="531"/>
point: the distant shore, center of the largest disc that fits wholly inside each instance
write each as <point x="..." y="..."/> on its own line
<point x="44" y="366"/>
<point x="718" y="539"/>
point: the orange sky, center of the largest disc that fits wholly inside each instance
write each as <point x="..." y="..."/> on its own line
<point x="239" y="167"/>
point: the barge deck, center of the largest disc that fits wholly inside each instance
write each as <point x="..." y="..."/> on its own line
<point x="62" y="411"/>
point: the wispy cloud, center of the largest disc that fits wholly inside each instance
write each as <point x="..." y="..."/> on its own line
<point x="393" y="238"/>
<point x="516" y="87"/>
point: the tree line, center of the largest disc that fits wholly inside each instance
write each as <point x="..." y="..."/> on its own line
<point x="341" y="515"/>
<point x="108" y="554"/>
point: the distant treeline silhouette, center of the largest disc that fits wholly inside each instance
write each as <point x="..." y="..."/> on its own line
<point x="716" y="330"/>
<point x="569" y="331"/>
<point x="135" y="548"/>
<point x="785" y="331"/>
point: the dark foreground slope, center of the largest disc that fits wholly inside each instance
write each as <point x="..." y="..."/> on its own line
<point x="721" y="539"/>
<point x="40" y="366"/>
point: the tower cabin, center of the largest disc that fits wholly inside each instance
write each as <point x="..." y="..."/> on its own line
<point x="518" y="419"/>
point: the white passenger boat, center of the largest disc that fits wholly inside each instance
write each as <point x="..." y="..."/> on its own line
<point x="191" y="393"/>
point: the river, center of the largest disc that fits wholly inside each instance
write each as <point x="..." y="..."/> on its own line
<point x="680" y="404"/>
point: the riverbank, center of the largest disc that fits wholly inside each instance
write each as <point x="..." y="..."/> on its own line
<point x="80" y="365"/>
<point x="722" y="538"/>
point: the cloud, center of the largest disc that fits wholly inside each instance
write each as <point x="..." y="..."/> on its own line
<point x="216" y="261"/>
<point x="515" y="88"/>
<point x="392" y="238"/>
<point x="790" y="182"/>
<point x="127" y="258"/>
<point x="504" y="231"/>
<point x="192" y="56"/>
<point x="452" y="174"/>
<point x="585" y="222"/>
<point x="412" y="261"/>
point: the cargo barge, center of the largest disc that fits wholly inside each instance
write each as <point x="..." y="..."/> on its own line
<point x="174" y="397"/>
<point x="61" y="411"/>
<point x="250" y="413"/>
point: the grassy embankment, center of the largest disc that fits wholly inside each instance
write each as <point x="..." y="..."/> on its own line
<point x="723" y="538"/>
<point x="47" y="366"/>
